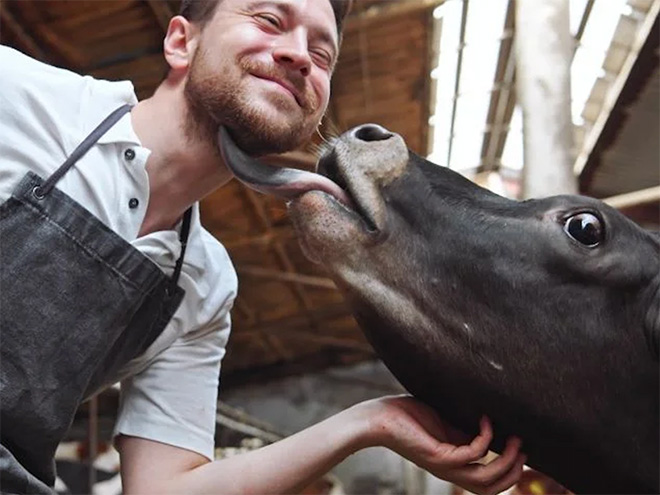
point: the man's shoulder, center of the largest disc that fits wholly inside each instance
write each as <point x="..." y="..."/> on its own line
<point x="211" y="243"/>
<point x="46" y="111"/>
<point x="207" y="260"/>
<point x="217" y="258"/>
<point x="19" y="66"/>
<point x="51" y="89"/>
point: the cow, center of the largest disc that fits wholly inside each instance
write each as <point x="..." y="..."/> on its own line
<point x="543" y="314"/>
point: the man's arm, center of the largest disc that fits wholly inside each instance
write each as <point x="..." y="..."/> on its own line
<point x="399" y="423"/>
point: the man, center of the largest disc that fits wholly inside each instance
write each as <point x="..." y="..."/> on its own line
<point x="107" y="274"/>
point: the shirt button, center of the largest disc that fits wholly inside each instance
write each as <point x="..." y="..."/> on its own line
<point x="129" y="154"/>
<point x="133" y="203"/>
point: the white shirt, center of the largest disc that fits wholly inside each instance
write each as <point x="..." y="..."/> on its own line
<point x="169" y="394"/>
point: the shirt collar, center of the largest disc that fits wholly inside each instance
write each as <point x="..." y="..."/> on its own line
<point x="122" y="131"/>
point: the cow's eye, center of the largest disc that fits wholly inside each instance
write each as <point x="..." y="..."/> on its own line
<point x="586" y="228"/>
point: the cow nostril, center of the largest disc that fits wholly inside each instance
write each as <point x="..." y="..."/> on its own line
<point x="372" y="132"/>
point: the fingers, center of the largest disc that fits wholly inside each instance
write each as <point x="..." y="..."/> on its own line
<point x="502" y="464"/>
<point x="477" y="448"/>
<point x="416" y="432"/>
<point x="498" y="475"/>
<point x="510" y="478"/>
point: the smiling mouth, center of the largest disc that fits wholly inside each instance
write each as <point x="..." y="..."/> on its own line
<point x="283" y="87"/>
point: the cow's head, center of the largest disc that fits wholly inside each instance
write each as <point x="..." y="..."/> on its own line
<point x="540" y="313"/>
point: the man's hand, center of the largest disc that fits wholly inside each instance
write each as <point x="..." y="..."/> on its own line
<point x="415" y="431"/>
<point x="400" y="423"/>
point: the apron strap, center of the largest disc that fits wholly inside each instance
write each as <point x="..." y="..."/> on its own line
<point x="82" y="148"/>
<point x="183" y="238"/>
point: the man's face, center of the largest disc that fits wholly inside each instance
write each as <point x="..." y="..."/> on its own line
<point x="262" y="69"/>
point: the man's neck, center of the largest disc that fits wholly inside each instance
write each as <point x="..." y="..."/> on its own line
<point x="182" y="169"/>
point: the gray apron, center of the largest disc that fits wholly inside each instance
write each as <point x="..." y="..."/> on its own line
<point x="77" y="302"/>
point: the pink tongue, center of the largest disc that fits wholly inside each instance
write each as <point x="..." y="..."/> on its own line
<point x="288" y="183"/>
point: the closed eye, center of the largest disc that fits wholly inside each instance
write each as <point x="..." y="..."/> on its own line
<point x="322" y="58"/>
<point x="271" y="19"/>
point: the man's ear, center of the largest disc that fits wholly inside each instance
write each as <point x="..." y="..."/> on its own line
<point x="180" y="43"/>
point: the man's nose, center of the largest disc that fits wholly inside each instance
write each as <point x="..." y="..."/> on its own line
<point x="293" y="53"/>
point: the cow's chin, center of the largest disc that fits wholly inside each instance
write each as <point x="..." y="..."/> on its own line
<point x="327" y="230"/>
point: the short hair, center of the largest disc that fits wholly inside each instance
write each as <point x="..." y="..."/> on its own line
<point x="201" y="11"/>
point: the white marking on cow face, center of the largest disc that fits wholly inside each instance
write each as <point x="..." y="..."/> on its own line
<point x="495" y="365"/>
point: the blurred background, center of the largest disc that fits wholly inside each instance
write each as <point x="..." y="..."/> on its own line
<point x="454" y="78"/>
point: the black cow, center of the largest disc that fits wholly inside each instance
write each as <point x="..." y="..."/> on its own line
<point x="543" y="314"/>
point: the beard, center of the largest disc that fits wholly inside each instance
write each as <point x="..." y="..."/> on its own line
<point x="218" y="98"/>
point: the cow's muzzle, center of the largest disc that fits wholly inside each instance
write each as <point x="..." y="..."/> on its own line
<point x="352" y="171"/>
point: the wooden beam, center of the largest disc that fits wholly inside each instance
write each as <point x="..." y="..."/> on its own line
<point x="261" y="272"/>
<point x="364" y="69"/>
<point x="278" y="247"/>
<point x="430" y="61"/>
<point x="646" y="215"/>
<point x="635" y="198"/>
<point x="583" y="21"/>
<point x="332" y="123"/>
<point x="272" y="342"/>
<point x="265" y="238"/>
<point x="162" y="11"/>
<point x="311" y="363"/>
<point x="302" y="330"/>
<point x="387" y="11"/>
<point x="248" y="313"/>
<point x="268" y="342"/>
<point x="297" y="321"/>
<point x="73" y="58"/>
<point x="29" y="45"/>
<point x="459" y="74"/>
<point x="329" y="341"/>
<point x="616" y="88"/>
<point x="505" y="92"/>
<point x="239" y="420"/>
<point x="503" y="96"/>
<point x="65" y="53"/>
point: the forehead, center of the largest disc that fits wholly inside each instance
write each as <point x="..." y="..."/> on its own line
<point x="316" y="15"/>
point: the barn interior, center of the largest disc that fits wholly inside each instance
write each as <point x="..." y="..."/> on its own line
<point x="443" y="75"/>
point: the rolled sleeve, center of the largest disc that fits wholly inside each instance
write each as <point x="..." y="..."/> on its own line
<point x="174" y="399"/>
